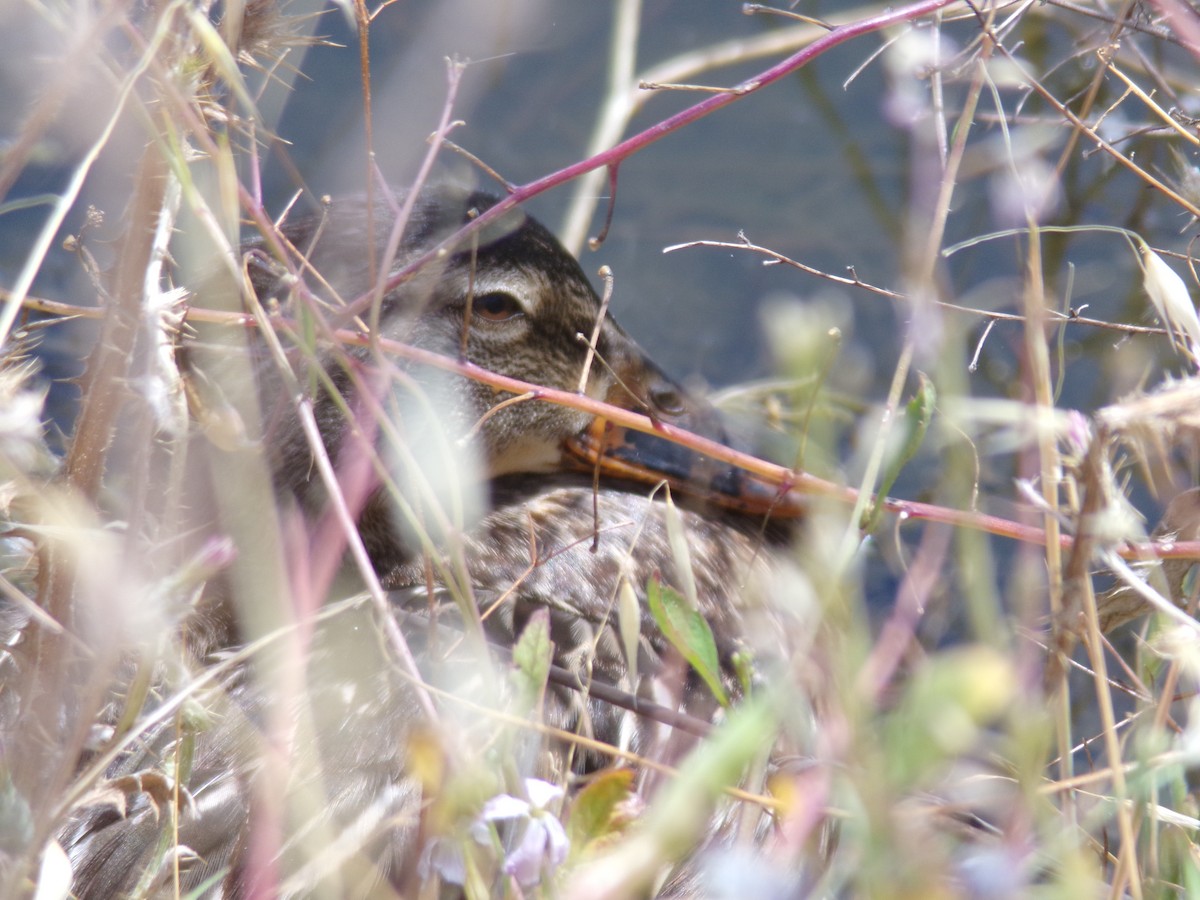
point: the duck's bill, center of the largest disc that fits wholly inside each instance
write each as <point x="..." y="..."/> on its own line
<point x="617" y="452"/>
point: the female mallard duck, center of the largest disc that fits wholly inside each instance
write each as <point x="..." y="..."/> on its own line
<point x="321" y="798"/>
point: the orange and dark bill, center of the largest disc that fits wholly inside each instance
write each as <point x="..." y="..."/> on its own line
<point x="634" y="456"/>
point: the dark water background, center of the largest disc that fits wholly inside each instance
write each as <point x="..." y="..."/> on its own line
<point x="803" y="167"/>
<point x="808" y="167"/>
<point x="770" y="166"/>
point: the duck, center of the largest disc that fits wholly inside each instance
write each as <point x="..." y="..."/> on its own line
<point x="336" y="788"/>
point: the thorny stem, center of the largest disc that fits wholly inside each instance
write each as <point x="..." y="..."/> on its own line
<point x="60" y="667"/>
<point x="110" y="360"/>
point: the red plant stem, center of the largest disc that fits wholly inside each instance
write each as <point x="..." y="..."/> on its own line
<point x="781" y="476"/>
<point x="800" y="481"/>
<point x="1183" y="22"/>
<point x="622" y="151"/>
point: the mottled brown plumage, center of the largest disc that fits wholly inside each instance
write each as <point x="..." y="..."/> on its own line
<point x="334" y="810"/>
<point x="531" y="309"/>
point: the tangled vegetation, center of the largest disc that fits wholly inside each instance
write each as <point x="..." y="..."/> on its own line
<point x="1010" y="716"/>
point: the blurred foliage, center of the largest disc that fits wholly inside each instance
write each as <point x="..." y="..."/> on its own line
<point x="930" y="709"/>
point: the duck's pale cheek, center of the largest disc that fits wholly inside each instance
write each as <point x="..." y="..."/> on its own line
<point x="601" y="385"/>
<point x="527" y="454"/>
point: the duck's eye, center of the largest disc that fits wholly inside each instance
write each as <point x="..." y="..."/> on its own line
<point x="496" y="306"/>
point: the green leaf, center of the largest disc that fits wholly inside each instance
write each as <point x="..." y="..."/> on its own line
<point x="910" y="435"/>
<point x="593" y="812"/>
<point x="688" y="632"/>
<point x="532" y="654"/>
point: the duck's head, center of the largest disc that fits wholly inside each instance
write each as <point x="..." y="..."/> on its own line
<point x="507" y="298"/>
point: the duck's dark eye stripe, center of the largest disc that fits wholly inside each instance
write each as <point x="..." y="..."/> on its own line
<point x="496" y="306"/>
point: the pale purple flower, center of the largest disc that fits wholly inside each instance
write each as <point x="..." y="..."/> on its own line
<point x="543" y="843"/>
<point x="446" y="858"/>
<point x="542" y="846"/>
